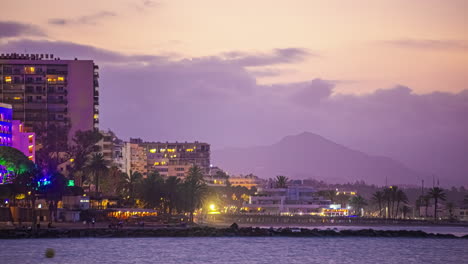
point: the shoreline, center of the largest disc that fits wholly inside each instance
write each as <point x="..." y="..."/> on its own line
<point x="206" y="231"/>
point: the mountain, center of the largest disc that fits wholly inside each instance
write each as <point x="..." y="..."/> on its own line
<point x="308" y="155"/>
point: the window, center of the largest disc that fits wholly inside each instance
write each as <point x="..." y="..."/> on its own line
<point x="60" y="78"/>
<point x="38" y="97"/>
<point x="7" y="79"/>
<point x="30" y="70"/>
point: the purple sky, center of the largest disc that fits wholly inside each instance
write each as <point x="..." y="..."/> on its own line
<point x="385" y="79"/>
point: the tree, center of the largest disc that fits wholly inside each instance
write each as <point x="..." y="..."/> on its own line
<point x="329" y="194"/>
<point x="426" y="199"/>
<point x="14" y="162"/>
<point x="405" y="210"/>
<point x="54" y="192"/>
<point x="400" y="197"/>
<point x="281" y="181"/>
<point x="51" y="140"/>
<point x="358" y="202"/>
<point x="437" y="194"/>
<point x="387" y="194"/>
<point x="84" y="144"/>
<point x="195" y="190"/>
<point x="96" y="167"/>
<point x="378" y="198"/>
<point x="112" y="181"/>
<point x="27" y="183"/>
<point x="150" y="190"/>
<point x="171" y="193"/>
<point x="129" y="186"/>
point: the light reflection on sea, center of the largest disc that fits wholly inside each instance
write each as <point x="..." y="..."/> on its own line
<point x="239" y="250"/>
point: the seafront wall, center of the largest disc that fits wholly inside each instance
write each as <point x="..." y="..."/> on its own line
<point x="233" y="231"/>
<point x="308" y="220"/>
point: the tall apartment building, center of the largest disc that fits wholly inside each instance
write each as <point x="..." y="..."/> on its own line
<point x="175" y="158"/>
<point x="112" y="149"/>
<point x="44" y="90"/>
<point x="135" y="158"/>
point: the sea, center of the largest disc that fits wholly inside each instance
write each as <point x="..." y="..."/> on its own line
<point x="239" y="250"/>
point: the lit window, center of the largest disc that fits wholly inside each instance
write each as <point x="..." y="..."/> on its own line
<point x="17" y="98"/>
<point x="156" y="163"/>
<point x="60" y="78"/>
<point x="30" y="70"/>
<point x="189" y="150"/>
<point x="162" y="150"/>
<point x="96" y="116"/>
<point x="8" y="79"/>
<point x="30" y="148"/>
<point x="153" y="150"/>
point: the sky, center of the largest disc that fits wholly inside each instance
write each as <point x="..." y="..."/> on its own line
<point x="385" y="77"/>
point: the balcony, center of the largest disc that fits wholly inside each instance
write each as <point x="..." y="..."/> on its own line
<point x="56" y="101"/>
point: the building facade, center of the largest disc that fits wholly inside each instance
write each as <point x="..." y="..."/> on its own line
<point x="134" y="158"/>
<point x="175" y="158"/>
<point x="12" y="133"/>
<point x="290" y="200"/>
<point x="45" y="91"/>
<point x="24" y="141"/>
<point x="6" y="115"/>
<point x="249" y="181"/>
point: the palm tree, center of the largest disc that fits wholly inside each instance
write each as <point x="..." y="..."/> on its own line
<point x="387" y="194"/>
<point x="195" y="190"/>
<point x="171" y="189"/>
<point x="97" y="166"/>
<point x="150" y="190"/>
<point x="426" y="201"/>
<point x="400" y="197"/>
<point x="405" y="210"/>
<point x="128" y="185"/>
<point x="281" y="181"/>
<point x="437" y="194"/>
<point x="378" y="197"/>
<point x="357" y="202"/>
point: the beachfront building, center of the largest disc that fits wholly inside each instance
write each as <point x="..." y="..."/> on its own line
<point x="290" y="200"/>
<point x="45" y="91"/>
<point x="134" y="158"/>
<point x="249" y="181"/>
<point x="13" y="134"/>
<point x="174" y="158"/>
<point x="111" y="148"/>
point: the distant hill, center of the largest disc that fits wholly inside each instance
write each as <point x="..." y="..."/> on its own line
<point x="308" y="155"/>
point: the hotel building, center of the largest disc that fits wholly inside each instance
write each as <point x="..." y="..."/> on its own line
<point x="44" y="90"/>
<point x="170" y="158"/>
<point x="290" y="200"/>
<point x="12" y="134"/>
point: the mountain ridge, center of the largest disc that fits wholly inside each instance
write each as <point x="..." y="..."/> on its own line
<point x="314" y="156"/>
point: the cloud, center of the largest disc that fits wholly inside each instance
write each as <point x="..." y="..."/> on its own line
<point x="83" y="20"/>
<point x="277" y="56"/>
<point x="14" y="29"/>
<point x="218" y="100"/>
<point x="429" y="44"/>
<point x="310" y="93"/>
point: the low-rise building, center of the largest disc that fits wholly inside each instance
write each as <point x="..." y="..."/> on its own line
<point x="249" y="181"/>
<point x="290" y="200"/>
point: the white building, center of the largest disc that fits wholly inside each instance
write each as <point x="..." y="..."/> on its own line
<point x="292" y="200"/>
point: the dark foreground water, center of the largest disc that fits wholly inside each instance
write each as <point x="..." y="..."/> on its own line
<point x="236" y="250"/>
